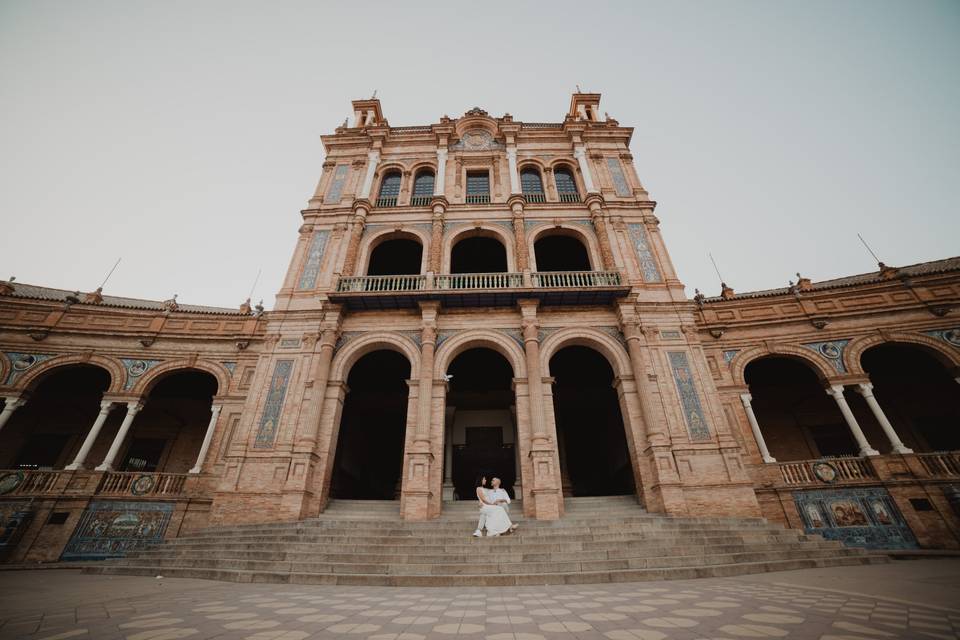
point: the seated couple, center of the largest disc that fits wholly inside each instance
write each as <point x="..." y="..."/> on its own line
<point x="493" y="508"/>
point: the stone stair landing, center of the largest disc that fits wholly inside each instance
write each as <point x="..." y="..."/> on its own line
<point x="598" y="540"/>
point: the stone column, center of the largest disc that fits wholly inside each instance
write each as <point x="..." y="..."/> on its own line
<point x="11" y="404"/>
<point x="580" y="153"/>
<point x="441" y="177"/>
<point x="746" y="398"/>
<point x="208" y="436"/>
<point x="866" y="390"/>
<point x="91" y="438"/>
<point x="595" y="204"/>
<point x="436" y="236"/>
<point x="373" y="159"/>
<point x="361" y="209"/>
<point x="514" y="175"/>
<point x="636" y="342"/>
<point x="133" y="408"/>
<point x="836" y="391"/>
<point x="521" y="256"/>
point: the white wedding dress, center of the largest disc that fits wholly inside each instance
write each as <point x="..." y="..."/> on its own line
<point x="497" y="520"/>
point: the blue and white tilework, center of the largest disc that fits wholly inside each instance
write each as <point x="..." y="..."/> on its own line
<point x="950" y="336"/>
<point x="311" y="267"/>
<point x="697" y="425"/>
<point x="619" y="180"/>
<point x="22" y="362"/>
<point x="111" y="528"/>
<point x="230" y="366"/>
<point x="857" y="517"/>
<point x="831" y="350"/>
<point x="270" y="420"/>
<point x="336" y="186"/>
<point x="135" y="368"/>
<point x="729" y="355"/>
<point x="648" y="264"/>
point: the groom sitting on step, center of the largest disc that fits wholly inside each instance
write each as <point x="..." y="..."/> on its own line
<point x="493" y="509"/>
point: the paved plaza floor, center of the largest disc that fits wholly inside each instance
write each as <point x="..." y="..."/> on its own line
<point x="906" y="599"/>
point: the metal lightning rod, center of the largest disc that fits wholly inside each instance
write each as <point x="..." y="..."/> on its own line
<point x="869" y="249"/>
<point x="255" y="281"/>
<point x="111" y="272"/>
<point x="715" y="268"/>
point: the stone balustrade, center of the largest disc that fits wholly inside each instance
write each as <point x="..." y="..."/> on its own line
<point x="943" y="464"/>
<point x="504" y="280"/>
<point x="827" y="470"/>
<point x="17" y="483"/>
<point x="126" y="483"/>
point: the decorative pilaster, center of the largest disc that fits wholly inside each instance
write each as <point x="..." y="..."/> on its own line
<point x="133" y="408"/>
<point x="512" y="166"/>
<point x="360" y="210"/>
<point x="522" y="256"/>
<point x="91" y="438"/>
<point x="595" y="204"/>
<point x="440" y="179"/>
<point x="636" y="343"/>
<point x="836" y="392"/>
<point x="580" y="153"/>
<point x="319" y="377"/>
<point x="207" y="438"/>
<point x="746" y="399"/>
<point x="373" y="159"/>
<point x="865" y="389"/>
<point x="436" y="235"/>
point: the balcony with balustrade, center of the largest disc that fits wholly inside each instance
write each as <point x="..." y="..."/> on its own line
<point x="480" y="289"/>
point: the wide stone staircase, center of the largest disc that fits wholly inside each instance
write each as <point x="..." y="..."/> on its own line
<point x="607" y="539"/>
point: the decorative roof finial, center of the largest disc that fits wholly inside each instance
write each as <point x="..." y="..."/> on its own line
<point x="171" y="304"/>
<point x="6" y="287"/>
<point x="726" y="292"/>
<point x="94" y="297"/>
<point x="803" y="284"/>
<point x="245" y="307"/>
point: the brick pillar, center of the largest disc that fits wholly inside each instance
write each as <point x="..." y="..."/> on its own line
<point x="546" y="492"/>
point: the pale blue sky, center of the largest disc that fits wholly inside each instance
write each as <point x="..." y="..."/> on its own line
<point x="184" y="136"/>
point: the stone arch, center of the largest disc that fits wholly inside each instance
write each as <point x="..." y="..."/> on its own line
<point x="482" y="229"/>
<point x="116" y="370"/>
<point x="417" y="167"/>
<point x="535" y="163"/>
<point x="374" y="341"/>
<point x="573" y="167"/>
<point x="152" y="376"/>
<point x="372" y="240"/>
<point x="820" y="365"/>
<point x="853" y="354"/>
<point x="589" y="241"/>
<point x="603" y="343"/>
<point x="383" y="169"/>
<point x="482" y="338"/>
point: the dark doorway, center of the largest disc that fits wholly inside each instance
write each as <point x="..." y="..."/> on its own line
<point x="917" y="395"/>
<point x="561" y="253"/>
<point x="594" y="457"/>
<point x="478" y="254"/>
<point x="166" y="435"/>
<point x="484" y="435"/>
<point x="799" y="421"/>
<point x="396" y="257"/>
<point x="46" y="432"/>
<point x="369" y="458"/>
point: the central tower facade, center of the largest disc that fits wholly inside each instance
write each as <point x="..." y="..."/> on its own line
<point x="481" y="295"/>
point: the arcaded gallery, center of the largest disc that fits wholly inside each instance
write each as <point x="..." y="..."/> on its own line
<point x="481" y="295"/>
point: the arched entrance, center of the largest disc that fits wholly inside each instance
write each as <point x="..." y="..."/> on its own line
<point x="560" y="252"/>
<point x="919" y="397"/>
<point x="594" y="456"/>
<point x="369" y="456"/>
<point x="46" y="432"/>
<point x="396" y="256"/>
<point x="797" y="418"/>
<point x="167" y="433"/>
<point x="480" y="416"/>
<point x="478" y="254"/>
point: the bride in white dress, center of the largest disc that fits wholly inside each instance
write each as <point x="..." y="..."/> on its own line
<point x="494" y="517"/>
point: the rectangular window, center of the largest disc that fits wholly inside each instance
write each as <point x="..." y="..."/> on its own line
<point x="478" y="187"/>
<point x="335" y="192"/>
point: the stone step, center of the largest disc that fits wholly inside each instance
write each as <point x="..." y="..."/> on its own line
<point x="578" y="577"/>
<point x="161" y="553"/>
<point x="485" y="568"/>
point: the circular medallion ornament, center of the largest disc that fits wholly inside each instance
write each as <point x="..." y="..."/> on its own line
<point x="24" y="362"/>
<point x="142" y="485"/>
<point x="10" y="481"/>
<point x="952" y="336"/>
<point x="138" y="368"/>
<point x="825" y="471"/>
<point x="830" y="350"/>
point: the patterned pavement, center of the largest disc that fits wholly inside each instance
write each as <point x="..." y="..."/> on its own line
<point x="782" y="605"/>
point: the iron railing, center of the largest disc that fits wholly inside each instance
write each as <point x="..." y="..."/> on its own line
<point x="420" y="201"/>
<point x="569" y="197"/>
<point x="534" y="198"/>
<point x="387" y="202"/>
<point x="478" y="198"/>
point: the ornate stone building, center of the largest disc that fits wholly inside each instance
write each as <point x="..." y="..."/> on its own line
<point x="482" y="294"/>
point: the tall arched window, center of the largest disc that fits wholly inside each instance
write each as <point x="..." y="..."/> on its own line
<point x="566" y="185"/>
<point x="531" y="185"/>
<point x="422" y="188"/>
<point x="389" y="190"/>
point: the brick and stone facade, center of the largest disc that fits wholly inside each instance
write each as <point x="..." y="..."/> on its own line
<point x="266" y="448"/>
